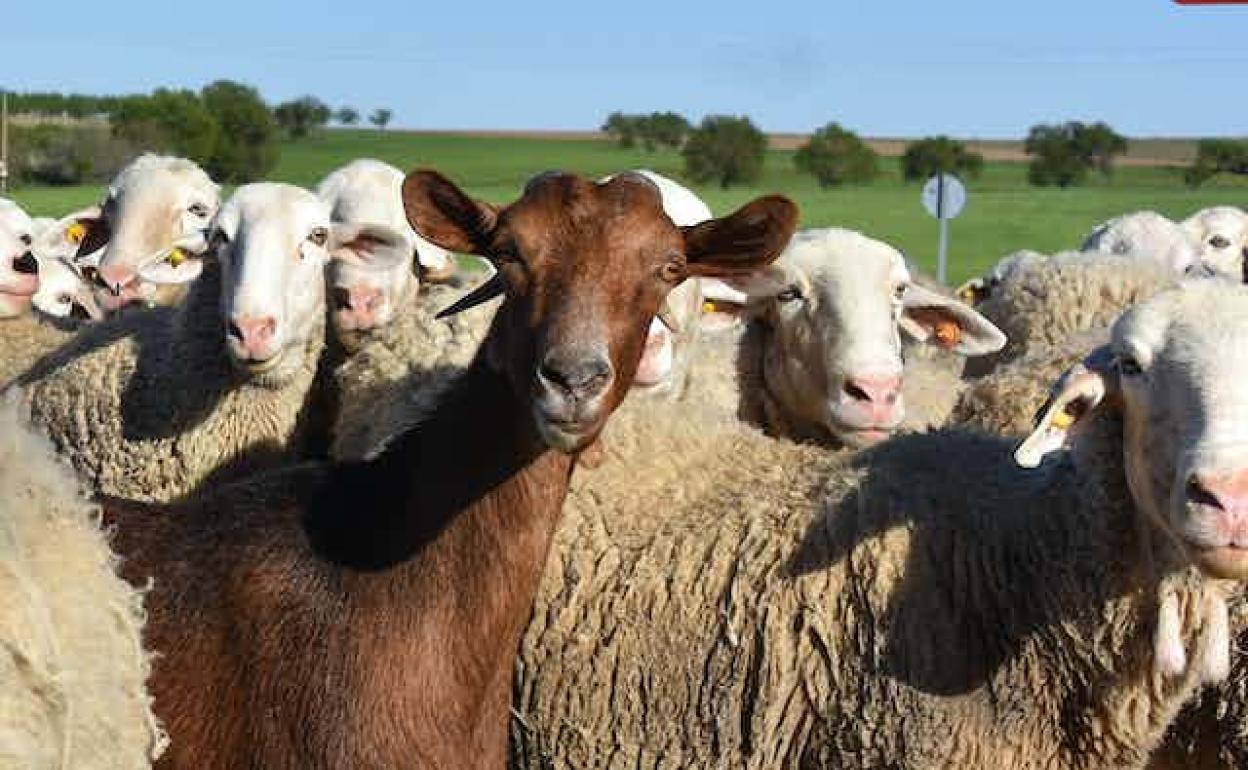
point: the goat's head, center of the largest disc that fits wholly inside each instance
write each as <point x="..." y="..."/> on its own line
<point x="585" y="267"/>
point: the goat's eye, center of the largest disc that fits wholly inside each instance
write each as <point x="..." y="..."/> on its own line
<point x="1219" y="242"/>
<point x="198" y="209"/>
<point x="319" y="236"/>
<point x="790" y="294"/>
<point x="672" y="271"/>
<point x="1128" y="366"/>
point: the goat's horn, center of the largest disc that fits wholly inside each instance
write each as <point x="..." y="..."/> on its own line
<point x="482" y="294"/>
<point x="668" y="317"/>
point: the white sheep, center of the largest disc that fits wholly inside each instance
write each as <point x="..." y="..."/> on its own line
<point x="73" y="670"/>
<point x="980" y="288"/>
<point x="1146" y="236"/>
<point x="150" y="405"/>
<point x="152" y="205"/>
<point x="928" y="604"/>
<point x="367" y="192"/>
<point x="822" y="358"/>
<point x="1222" y="232"/>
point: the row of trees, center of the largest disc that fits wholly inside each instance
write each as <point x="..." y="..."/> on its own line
<point x="730" y="150"/>
<point x="226" y="127"/>
<point x="1217" y="156"/>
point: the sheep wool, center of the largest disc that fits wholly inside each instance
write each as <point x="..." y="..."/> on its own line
<point x="775" y="605"/>
<point x="147" y="405"/>
<point x="24" y="341"/>
<point x="73" y="670"/>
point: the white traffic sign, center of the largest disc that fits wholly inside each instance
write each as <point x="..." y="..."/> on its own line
<point x="944" y="196"/>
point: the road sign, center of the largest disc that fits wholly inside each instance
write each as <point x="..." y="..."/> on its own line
<point x="944" y="197"/>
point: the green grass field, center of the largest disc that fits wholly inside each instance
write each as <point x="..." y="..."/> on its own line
<point x="1004" y="213"/>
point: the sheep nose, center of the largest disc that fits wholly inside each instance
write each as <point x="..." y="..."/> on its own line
<point x="1226" y="492"/>
<point x="580" y="376"/>
<point x="359" y="303"/>
<point x="114" y="277"/>
<point x="253" y="335"/>
<point x="26" y="264"/>
<point x="875" y="391"/>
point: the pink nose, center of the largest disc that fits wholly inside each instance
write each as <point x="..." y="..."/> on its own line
<point x="115" y="277"/>
<point x="359" y="304"/>
<point x="253" y="335"/>
<point x="875" y="395"/>
<point x="1226" y="496"/>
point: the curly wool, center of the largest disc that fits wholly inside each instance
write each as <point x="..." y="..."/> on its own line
<point x="24" y="341"/>
<point x="794" y="607"/>
<point x="1046" y="301"/>
<point x="148" y="406"/>
<point x="73" y="671"/>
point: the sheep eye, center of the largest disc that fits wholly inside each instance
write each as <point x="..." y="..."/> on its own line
<point x="1219" y="242"/>
<point x="198" y="209"/>
<point x="26" y="239"/>
<point x="790" y="294"/>
<point x="319" y="236"/>
<point x="1129" y="367"/>
<point x="64" y="299"/>
<point x="899" y="291"/>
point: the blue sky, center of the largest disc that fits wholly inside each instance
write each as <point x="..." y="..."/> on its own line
<point x="902" y="68"/>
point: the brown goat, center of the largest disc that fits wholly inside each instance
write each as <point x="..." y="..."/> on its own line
<point x="368" y="615"/>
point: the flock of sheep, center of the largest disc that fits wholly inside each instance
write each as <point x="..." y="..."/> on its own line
<point x="846" y="517"/>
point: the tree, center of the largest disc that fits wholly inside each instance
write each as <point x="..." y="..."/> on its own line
<point x="347" y="116"/>
<point x="658" y="129"/>
<point x="299" y="117"/>
<point x="381" y="118"/>
<point x="1063" y="154"/>
<point x="177" y="122"/>
<point x="834" y="156"/>
<point x="624" y="129"/>
<point x="1098" y="144"/>
<point x="939" y="154"/>
<point x="1216" y="156"/>
<point x="248" y="141"/>
<point x="725" y="149"/>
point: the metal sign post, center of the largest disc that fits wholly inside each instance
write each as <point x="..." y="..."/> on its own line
<point x="944" y="197"/>
<point x="4" y="141"/>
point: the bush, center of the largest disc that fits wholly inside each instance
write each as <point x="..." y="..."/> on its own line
<point x="725" y="149"/>
<point x="247" y="144"/>
<point x="67" y="155"/>
<point x="347" y="116"/>
<point x="300" y="117"/>
<point x="834" y="156"/>
<point x="1217" y="156"/>
<point x="381" y="118"/>
<point x="658" y="129"/>
<point x="175" y="122"/>
<point x="939" y="155"/>
<point x="1063" y="154"/>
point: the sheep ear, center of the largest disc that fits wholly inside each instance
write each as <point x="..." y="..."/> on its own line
<point x="764" y="283"/>
<point x="372" y="246"/>
<point x="67" y="237"/>
<point x="930" y="317"/>
<point x="182" y="263"/>
<point x="1071" y="403"/>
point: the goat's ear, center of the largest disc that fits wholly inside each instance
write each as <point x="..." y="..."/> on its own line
<point x="443" y="214"/>
<point x="1070" y="406"/>
<point x="947" y="323"/>
<point x="369" y="245"/>
<point x="742" y="242"/>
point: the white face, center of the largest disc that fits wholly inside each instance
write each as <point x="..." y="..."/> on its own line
<point x="153" y="204"/>
<point x="63" y="292"/>
<point x="1145" y="235"/>
<point x="835" y="303"/>
<point x="1180" y="363"/>
<point x="1222" y="232"/>
<point x="19" y="278"/>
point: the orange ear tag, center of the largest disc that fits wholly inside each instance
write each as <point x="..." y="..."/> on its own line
<point x="947" y="333"/>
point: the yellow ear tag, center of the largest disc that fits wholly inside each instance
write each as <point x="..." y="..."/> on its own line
<point x="1062" y="420"/>
<point x="76" y="232"/>
<point x="708" y="306"/>
<point x="176" y="257"/>
<point x="947" y="333"/>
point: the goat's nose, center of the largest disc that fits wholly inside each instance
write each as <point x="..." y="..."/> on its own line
<point x="253" y="334"/>
<point x="114" y="277"/>
<point x="580" y="376"/>
<point x="26" y="264"/>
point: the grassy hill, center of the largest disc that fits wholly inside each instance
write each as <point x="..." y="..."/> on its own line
<point x="1004" y="213"/>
